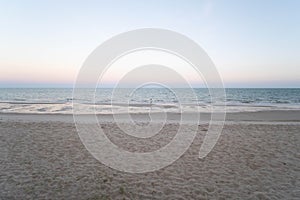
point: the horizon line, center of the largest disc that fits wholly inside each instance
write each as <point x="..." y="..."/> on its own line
<point x="283" y="87"/>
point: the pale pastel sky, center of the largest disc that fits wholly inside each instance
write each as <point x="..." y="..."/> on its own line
<point x="252" y="43"/>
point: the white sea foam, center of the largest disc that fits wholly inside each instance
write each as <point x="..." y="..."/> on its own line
<point x="67" y="108"/>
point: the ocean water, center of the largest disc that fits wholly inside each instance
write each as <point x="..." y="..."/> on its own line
<point x="47" y="100"/>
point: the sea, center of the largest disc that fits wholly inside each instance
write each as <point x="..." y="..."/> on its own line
<point x="107" y="101"/>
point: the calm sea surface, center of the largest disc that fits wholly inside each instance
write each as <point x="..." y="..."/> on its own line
<point x="41" y="100"/>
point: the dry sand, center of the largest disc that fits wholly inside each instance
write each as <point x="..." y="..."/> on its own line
<point x="42" y="157"/>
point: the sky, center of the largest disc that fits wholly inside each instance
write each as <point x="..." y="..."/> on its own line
<point x="252" y="43"/>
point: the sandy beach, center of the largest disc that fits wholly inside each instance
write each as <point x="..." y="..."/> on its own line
<point x="138" y="100"/>
<point x="256" y="157"/>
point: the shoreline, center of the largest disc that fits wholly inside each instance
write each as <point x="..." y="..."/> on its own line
<point x="254" y="117"/>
